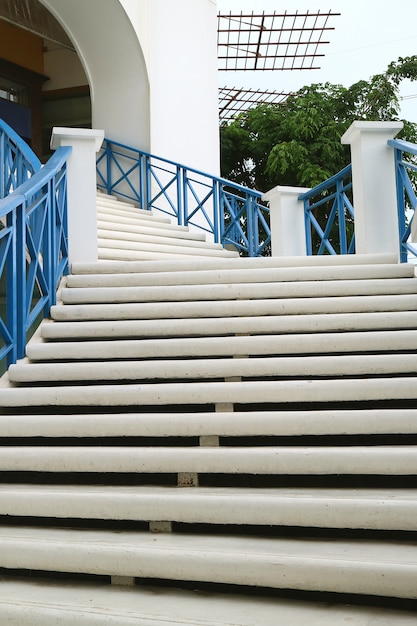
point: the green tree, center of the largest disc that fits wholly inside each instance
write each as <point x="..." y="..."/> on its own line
<point x="297" y="142"/>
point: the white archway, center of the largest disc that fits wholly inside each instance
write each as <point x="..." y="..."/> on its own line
<point x="111" y="54"/>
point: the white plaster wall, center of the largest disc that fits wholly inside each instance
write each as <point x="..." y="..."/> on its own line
<point x="179" y="41"/>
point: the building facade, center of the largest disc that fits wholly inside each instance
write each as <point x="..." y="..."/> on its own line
<point x="143" y="71"/>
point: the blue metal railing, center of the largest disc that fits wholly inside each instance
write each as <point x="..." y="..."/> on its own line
<point x="329" y="216"/>
<point x="233" y="214"/>
<point x="17" y="161"/>
<point x="33" y="245"/>
<point x="406" y="178"/>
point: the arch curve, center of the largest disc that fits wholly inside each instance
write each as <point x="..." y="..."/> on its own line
<point x="110" y="51"/>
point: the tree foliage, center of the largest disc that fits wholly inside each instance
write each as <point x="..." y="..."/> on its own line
<point x="297" y="142"/>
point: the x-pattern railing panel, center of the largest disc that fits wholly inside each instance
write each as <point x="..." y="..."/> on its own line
<point x="17" y="161"/>
<point x="33" y="251"/>
<point x="329" y="216"/>
<point x="188" y="195"/>
<point x="405" y="154"/>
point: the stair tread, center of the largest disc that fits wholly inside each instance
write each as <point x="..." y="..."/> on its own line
<point x="207" y="393"/>
<point x="155" y="243"/>
<point x="114" y="230"/>
<point x="255" y="325"/>
<point x="235" y="291"/>
<point x="241" y="262"/>
<point x="140" y="254"/>
<point x="331" y="366"/>
<point x="234" y="276"/>
<point x="309" y="564"/>
<point x="383" y="509"/>
<point x="36" y="601"/>
<point x="222" y="423"/>
<point x="234" y="308"/>
<point x="168" y="347"/>
<point x="147" y="219"/>
<point x="268" y="460"/>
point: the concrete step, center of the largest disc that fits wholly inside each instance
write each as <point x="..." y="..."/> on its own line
<point x="377" y="509"/>
<point x="212" y="393"/>
<point x="224" y="423"/>
<point x="158" y="237"/>
<point x="277" y="290"/>
<point x="190" y="248"/>
<point x="236" y="276"/>
<point x="256" y="325"/>
<point x="27" y="372"/>
<point x="115" y="230"/>
<point x="135" y="218"/>
<point x="132" y="216"/>
<point x="234" y="308"/>
<point x="182" y="265"/>
<point x="388" y="460"/>
<point x="233" y="346"/>
<point x="150" y="254"/>
<point x="360" y="566"/>
<point x="42" y="602"/>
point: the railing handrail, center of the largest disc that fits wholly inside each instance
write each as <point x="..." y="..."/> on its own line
<point x="37" y="181"/>
<point x="314" y="191"/>
<point x="405" y="146"/>
<point x="218" y="179"/>
<point x="22" y="145"/>
<point x="25" y="152"/>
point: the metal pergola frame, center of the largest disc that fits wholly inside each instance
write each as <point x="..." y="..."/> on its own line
<point x="267" y="42"/>
<point x="271" y="41"/>
<point x="234" y="100"/>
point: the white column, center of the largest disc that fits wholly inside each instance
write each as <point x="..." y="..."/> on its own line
<point x="82" y="190"/>
<point x="287" y="221"/>
<point x="374" y="188"/>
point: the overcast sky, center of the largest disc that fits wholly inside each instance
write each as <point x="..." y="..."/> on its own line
<point x="368" y="35"/>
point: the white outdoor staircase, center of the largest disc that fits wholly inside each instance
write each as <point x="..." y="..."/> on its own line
<point x="214" y="441"/>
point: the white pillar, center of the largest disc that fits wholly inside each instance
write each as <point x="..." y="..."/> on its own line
<point x="374" y="187"/>
<point x="287" y="221"/>
<point x="82" y="190"/>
